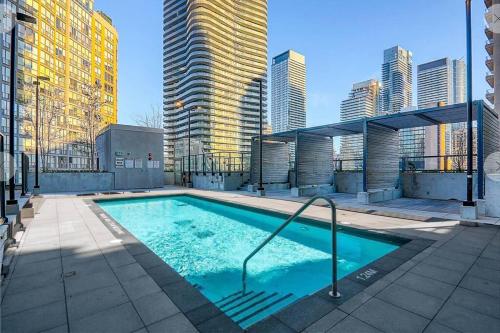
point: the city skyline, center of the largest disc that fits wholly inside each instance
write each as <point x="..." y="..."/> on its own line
<point x="350" y="54"/>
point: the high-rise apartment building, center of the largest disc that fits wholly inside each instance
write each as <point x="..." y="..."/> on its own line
<point x="440" y="82"/>
<point x="72" y="52"/>
<point x="288" y="109"/>
<point x="362" y="102"/>
<point x="215" y="55"/>
<point x="397" y="96"/>
<point x="493" y="49"/>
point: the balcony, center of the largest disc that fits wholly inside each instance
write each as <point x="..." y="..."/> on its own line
<point x="488" y="33"/>
<point x="490" y="78"/>
<point x="490" y="96"/>
<point x="490" y="63"/>
<point x="489" y="46"/>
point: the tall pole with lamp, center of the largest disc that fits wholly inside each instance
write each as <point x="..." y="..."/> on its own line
<point x="36" y="189"/>
<point x="260" y="190"/>
<point x="469" y="209"/>
<point x="12" y="205"/>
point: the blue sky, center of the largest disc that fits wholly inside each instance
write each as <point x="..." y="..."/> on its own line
<point x="342" y="40"/>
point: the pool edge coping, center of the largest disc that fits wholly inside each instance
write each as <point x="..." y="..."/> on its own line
<point x="297" y="316"/>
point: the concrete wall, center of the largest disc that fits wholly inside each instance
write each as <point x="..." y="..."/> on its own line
<point x="73" y="182"/>
<point x="493" y="195"/>
<point x="225" y="182"/>
<point x="136" y="144"/>
<point x="442" y="186"/>
<point x="348" y="182"/>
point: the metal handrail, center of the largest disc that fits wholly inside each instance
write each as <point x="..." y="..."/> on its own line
<point x="334" y="292"/>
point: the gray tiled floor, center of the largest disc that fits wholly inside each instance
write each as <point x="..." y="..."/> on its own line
<point x="71" y="274"/>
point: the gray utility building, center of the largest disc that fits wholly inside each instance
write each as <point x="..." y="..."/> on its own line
<point x="134" y="154"/>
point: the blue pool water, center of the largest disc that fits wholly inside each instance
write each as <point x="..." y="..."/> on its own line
<point x="206" y="242"/>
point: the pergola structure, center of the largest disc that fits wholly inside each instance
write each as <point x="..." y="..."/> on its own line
<point x="381" y="168"/>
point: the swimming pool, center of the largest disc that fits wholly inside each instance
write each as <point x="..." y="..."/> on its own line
<point x="206" y="242"/>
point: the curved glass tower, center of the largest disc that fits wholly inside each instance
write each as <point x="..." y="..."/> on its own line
<point x="215" y="53"/>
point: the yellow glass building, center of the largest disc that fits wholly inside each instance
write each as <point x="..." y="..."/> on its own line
<point x="73" y="53"/>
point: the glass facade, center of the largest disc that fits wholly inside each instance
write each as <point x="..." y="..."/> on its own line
<point x="73" y="49"/>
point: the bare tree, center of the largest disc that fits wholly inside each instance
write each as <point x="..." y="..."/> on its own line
<point x="92" y="105"/>
<point x="459" y="150"/>
<point x="152" y="119"/>
<point x="51" y="108"/>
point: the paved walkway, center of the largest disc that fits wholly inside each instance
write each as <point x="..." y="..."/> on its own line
<point x="72" y="275"/>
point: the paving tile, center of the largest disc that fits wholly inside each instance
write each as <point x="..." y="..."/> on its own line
<point x="355" y="302"/>
<point x="388" y="263"/>
<point x="26" y="283"/>
<point x="434" y="327"/>
<point x="492" y="252"/>
<point x="117" y="258"/>
<point x="177" y="323"/>
<point x="164" y="274"/>
<point x="485" y="273"/>
<point x="447" y="263"/>
<point x="185" y="296"/>
<point x="219" y="324"/>
<point x="140" y="287"/>
<point x="352" y="325"/>
<point x="411" y="300"/>
<point x="35" y="320"/>
<point x="32" y="298"/>
<point x="270" y="324"/>
<point x="37" y="268"/>
<point x="155" y="307"/>
<point x="203" y="313"/>
<point x="89" y="303"/>
<point x="327" y="322"/>
<point x="136" y="248"/>
<point x="129" y="272"/>
<point x="98" y="265"/>
<point x="148" y="260"/>
<point x="304" y="312"/>
<point x="465" y="320"/>
<point x="38" y="256"/>
<point x="84" y="283"/>
<point x="488" y="263"/>
<point x="425" y="285"/>
<point x="481" y="303"/>
<point x="382" y="315"/>
<point x="122" y="318"/>
<point x="81" y="258"/>
<point x="437" y="273"/>
<point x="481" y="285"/>
<point x="404" y="253"/>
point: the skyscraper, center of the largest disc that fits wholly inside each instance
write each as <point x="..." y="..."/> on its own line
<point x="397" y="80"/>
<point x="288" y="110"/>
<point x="215" y="54"/>
<point x="362" y="102"/>
<point x="396" y="96"/>
<point x="440" y="82"/>
<point x="71" y="47"/>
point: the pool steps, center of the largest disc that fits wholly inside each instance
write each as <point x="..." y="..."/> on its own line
<point x="247" y="309"/>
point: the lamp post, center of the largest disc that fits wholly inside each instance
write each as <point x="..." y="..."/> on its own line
<point x="469" y="206"/>
<point x="36" y="189"/>
<point x="260" y="190"/>
<point x="12" y="202"/>
<point x="2" y="180"/>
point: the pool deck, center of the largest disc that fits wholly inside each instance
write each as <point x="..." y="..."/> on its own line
<point x="71" y="273"/>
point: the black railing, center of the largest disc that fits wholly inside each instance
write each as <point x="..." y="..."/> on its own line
<point x="222" y="162"/>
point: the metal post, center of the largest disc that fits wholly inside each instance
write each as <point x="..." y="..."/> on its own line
<point x="12" y="105"/>
<point x="23" y="174"/>
<point x="470" y="143"/>
<point x="296" y="159"/>
<point x="334" y="292"/>
<point x="189" y="147"/>
<point x="37" y="134"/>
<point x="2" y="179"/>
<point x="261" y="187"/>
